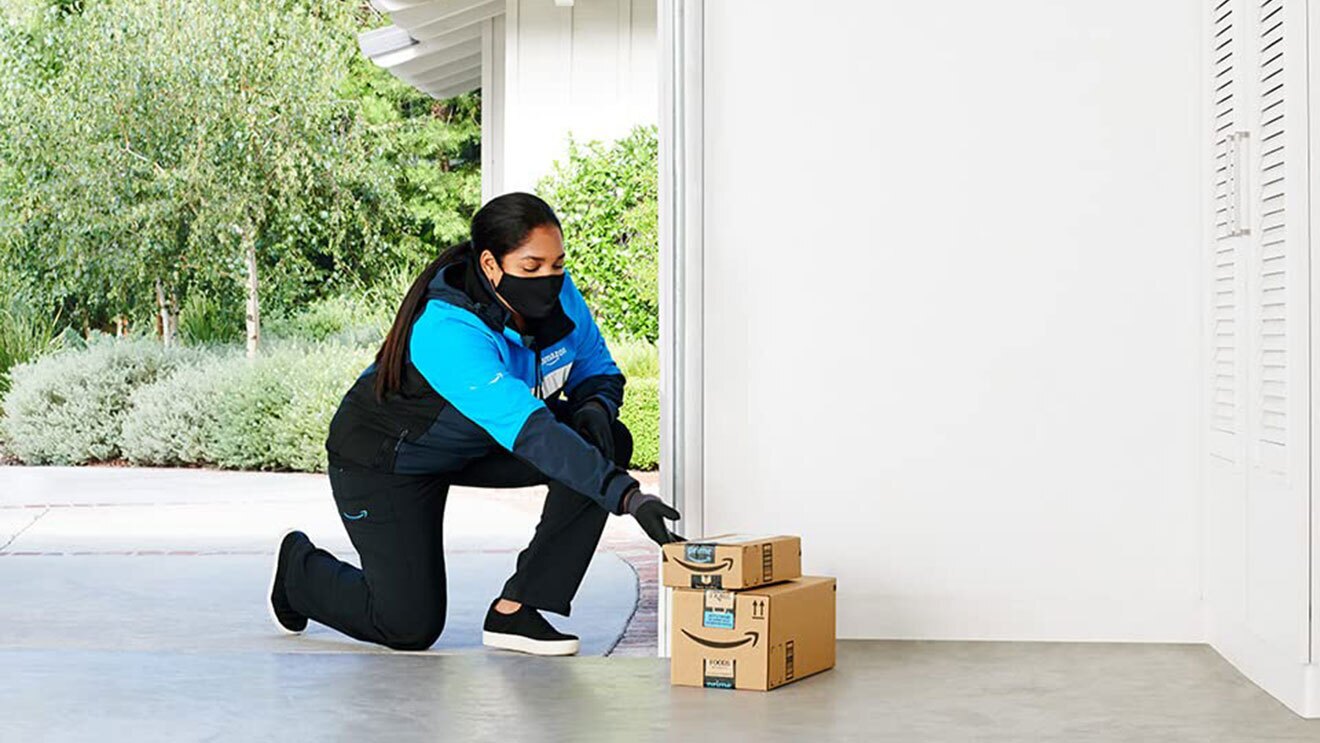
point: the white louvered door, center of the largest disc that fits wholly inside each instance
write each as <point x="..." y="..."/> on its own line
<point x="1277" y="405"/>
<point x="1258" y="479"/>
<point x="1230" y="213"/>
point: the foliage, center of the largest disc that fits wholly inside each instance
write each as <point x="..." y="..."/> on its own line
<point x="346" y="318"/>
<point x="69" y="407"/>
<point x="433" y="148"/>
<point x="273" y="414"/>
<point x="641" y="414"/>
<point x="607" y="198"/>
<point x="636" y="359"/>
<point x="24" y="335"/>
<point x="168" y="418"/>
<point x="213" y="406"/>
<point x="359" y="317"/>
<point x="203" y="320"/>
<point x="178" y="130"/>
<point x="179" y="406"/>
<point x="640" y="363"/>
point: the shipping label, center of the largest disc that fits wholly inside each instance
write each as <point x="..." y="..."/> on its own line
<point x="700" y="553"/>
<point x="718" y="673"/>
<point x="718" y="610"/>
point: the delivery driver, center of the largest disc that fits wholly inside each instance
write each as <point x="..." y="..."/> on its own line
<point x="494" y="374"/>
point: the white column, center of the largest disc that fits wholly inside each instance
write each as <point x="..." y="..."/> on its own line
<point x="493" y="83"/>
<point x="681" y="336"/>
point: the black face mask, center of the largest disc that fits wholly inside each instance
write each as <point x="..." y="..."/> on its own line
<point x="533" y="297"/>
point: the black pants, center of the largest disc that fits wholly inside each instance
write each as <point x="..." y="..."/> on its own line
<point x="396" y="525"/>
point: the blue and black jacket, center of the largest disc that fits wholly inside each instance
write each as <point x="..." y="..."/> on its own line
<point x="472" y="384"/>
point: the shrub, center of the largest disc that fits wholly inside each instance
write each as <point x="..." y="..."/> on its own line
<point x="636" y="359"/>
<point x="640" y="363"/>
<point x="273" y="414"/>
<point x="167" y="420"/>
<point x="269" y="413"/>
<point x="298" y="435"/>
<point x="69" y="407"/>
<point x="24" y="335"/>
<point x="360" y="319"/>
<point x="641" y="414"/>
<point x="606" y="197"/>
<point x="188" y="406"/>
<point x="204" y="320"/>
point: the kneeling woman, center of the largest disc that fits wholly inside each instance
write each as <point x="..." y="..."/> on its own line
<point x="493" y="375"/>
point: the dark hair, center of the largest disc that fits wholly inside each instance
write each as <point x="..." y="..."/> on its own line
<point x="500" y="226"/>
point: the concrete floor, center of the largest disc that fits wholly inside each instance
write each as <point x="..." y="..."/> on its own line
<point x="156" y="559"/>
<point x="188" y="668"/>
<point x="213" y="603"/>
<point x="880" y="691"/>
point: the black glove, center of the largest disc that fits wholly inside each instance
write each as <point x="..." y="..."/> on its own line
<point x="592" y="421"/>
<point x="651" y="513"/>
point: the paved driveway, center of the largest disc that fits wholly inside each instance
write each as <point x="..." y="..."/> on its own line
<point x="176" y="559"/>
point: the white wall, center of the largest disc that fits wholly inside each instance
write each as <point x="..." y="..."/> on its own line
<point x="589" y="69"/>
<point x="952" y="308"/>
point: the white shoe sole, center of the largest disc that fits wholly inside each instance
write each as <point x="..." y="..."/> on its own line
<point x="270" y="586"/>
<point x="522" y="644"/>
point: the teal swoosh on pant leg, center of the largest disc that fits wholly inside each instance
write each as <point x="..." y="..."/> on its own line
<point x="360" y="515"/>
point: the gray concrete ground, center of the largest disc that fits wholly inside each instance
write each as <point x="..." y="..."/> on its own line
<point x="160" y="560"/>
<point x="100" y="641"/>
<point x="880" y="691"/>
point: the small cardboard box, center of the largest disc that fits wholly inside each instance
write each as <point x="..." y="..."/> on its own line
<point x="759" y="639"/>
<point x="731" y="561"/>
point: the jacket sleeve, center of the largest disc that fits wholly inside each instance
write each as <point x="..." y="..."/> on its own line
<point x="462" y="363"/>
<point x="594" y="373"/>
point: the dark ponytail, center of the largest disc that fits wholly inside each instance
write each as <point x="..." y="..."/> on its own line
<point x="500" y="226"/>
<point x="389" y="359"/>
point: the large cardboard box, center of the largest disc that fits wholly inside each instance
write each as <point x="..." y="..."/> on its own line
<point x="760" y="638"/>
<point x="731" y="561"/>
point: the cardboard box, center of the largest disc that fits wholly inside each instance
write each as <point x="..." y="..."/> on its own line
<point x="759" y="639"/>
<point x="731" y="561"/>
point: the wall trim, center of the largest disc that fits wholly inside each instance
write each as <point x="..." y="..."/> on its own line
<point x="1312" y="93"/>
<point x="681" y="26"/>
<point x="493" y="92"/>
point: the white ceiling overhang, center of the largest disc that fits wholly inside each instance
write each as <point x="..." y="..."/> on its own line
<point x="434" y="45"/>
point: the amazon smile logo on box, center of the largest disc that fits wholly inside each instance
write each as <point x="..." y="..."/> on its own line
<point x="750" y="636"/>
<point x="732" y="561"/>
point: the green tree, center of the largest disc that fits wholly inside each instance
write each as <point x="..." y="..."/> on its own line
<point x="234" y="148"/>
<point x="607" y="198"/>
<point x="433" y="149"/>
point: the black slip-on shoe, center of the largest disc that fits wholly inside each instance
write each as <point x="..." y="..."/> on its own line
<point x="285" y="617"/>
<point x="525" y="631"/>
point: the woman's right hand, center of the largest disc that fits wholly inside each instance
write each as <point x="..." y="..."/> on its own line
<point x="651" y="513"/>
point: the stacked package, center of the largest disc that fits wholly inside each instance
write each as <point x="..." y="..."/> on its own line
<point x="744" y="616"/>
